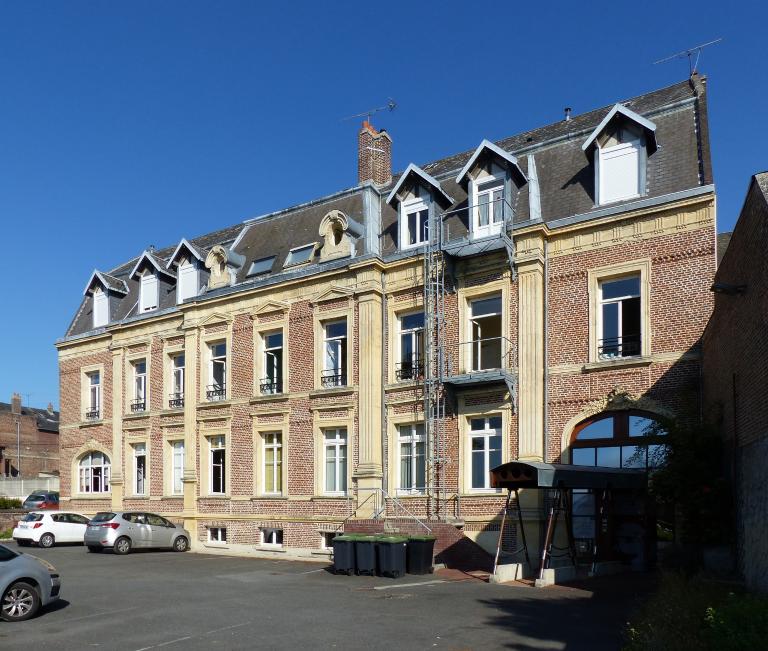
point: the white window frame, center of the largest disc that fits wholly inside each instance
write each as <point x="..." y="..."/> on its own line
<point x="86" y="474"/>
<point x="601" y="302"/>
<point x="408" y="208"/>
<point x="270" y="361"/>
<point x="414" y="434"/>
<point x="188" y="273"/>
<point x="272" y="441"/>
<point x="215" y="444"/>
<point x="476" y="322"/>
<point x="486" y="433"/>
<point x="149" y="292"/>
<point x="489" y="185"/>
<point x="269" y="537"/>
<point x="338" y="443"/>
<point x="177" y="467"/>
<point x="177" y="375"/>
<point x="94" y="392"/>
<point x="217" y="535"/>
<point x="323" y="537"/>
<point x="417" y="357"/>
<point x="140" y="382"/>
<point x="603" y="154"/>
<point x="139" y="486"/>
<point x="341" y="344"/>
<point x="100" y="307"/>
<point x="218" y="359"/>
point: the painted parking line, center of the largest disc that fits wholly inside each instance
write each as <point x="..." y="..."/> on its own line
<point x="192" y="637"/>
<point x="107" y="612"/>
<point x="408" y="585"/>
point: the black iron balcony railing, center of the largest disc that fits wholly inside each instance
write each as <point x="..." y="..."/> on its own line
<point x="175" y="400"/>
<point x="486" y="354"/>
<point x="92" y="414"/>
<point x="412" y="369"/>
<point x="269" y="386"/>
<point x="626" y="346"/>
<point x="333" y="378"/>
<point x="216" y="392"/>
<point x="139" y="404"/>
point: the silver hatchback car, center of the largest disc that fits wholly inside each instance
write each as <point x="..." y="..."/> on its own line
<point x="127" y="530"/>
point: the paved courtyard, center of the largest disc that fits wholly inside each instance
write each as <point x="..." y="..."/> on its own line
<point x="165" y="600"/>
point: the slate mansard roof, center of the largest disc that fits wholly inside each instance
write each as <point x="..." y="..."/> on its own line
<point x="563" y="172"/>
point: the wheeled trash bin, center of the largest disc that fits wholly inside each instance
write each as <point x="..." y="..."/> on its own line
<point x="343" y="555"/>
<point x="420" y="553"/>
<point x="391" y="552"/>
<point x="365" y="555"/>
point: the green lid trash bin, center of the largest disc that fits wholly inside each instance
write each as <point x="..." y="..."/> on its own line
<point x="365" y="555"/>
<point x="343" y="554"/>
<point x="421" y="550"/>
<point x="391" y="553"/>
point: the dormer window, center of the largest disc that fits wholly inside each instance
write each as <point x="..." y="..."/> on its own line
<point x="149" y="293"/>
<point x="100" y="307"/>
<point x="488" y="207"/>
<point x="300" y="255"/>
<point x="619" y="148"/>
<point x="414" y="224"/>
<point x="188" y="283"/>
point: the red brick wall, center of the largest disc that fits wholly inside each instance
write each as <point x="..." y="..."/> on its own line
<point x="39" y="449"/>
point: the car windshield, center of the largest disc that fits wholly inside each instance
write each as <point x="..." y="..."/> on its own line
<point x="102" y="517"/>
<point x="32" y="517"/>
<point x="35" y="497"/>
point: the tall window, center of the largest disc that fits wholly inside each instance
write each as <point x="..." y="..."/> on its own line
<point x="177" y="464"/>
<point x="335" y="455"/>
<point x="619" y="327"/>
<point x="139" y="402"/>
<point x="94" y="470"/>
<point x="148" y="292"/>
<point x="218" y="469"/>
<point x="100" y="307"/>
<point x="619" y="165"/>
<point x="486" y="449"/>
<point x="93" y="412"/>
<point x="620" y="439"/>
<point x="487" y="341"/>
<point x="272" y="382"/>
<point x="273" y="463"/>
<point x="415" y="228"/>
<point x="217" y="372"/>
<point x="139" y="469"/>
<point x="176" y="398"/>
<point x="489" y="207"/>
<point x="411" y="364"/>
<point x="335" y="354"/>
<point x="412" y="461"/>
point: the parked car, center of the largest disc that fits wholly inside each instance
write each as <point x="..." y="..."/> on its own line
<point x="41" y="500"/>
<point x="46" y="529"/>
<point x="126" y="530"/>
<point x="26" y="584"/>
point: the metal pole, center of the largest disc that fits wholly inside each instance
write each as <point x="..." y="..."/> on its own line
<point x="547" y="539"/>
<point x="18" y="445"/>
<point x="522" y="527"/>
<point x="501" y="530"/>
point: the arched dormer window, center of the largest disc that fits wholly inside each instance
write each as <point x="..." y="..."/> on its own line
<point x="619" y="439"/>
<point x="619" y="149"/>
<point x="94" y="472"/>
<point x="417" y="195"/>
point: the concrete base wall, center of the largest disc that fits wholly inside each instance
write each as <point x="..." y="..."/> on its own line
<point x="752" y="513"/>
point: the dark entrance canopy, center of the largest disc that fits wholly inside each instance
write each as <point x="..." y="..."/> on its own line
<point x="532" y="474"/>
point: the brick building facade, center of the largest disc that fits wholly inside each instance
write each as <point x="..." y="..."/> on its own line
<point x="736" y="372"/>
<point x="572" y="267"/>
<point x="39" y="435"/>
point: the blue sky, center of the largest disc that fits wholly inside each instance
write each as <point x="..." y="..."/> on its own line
<point x="137" y="123"/>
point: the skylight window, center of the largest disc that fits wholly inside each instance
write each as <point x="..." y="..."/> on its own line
<point x="262" y="266"/>
<point x="299" y="255"/>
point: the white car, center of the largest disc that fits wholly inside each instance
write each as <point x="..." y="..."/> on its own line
<point x="46" y="528"/>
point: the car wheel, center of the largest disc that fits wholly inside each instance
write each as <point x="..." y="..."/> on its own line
<point x="47" y="540"/>
<point x="95" y="549"/>
<point x="19" y="602"/>
<point x="122" y="546"/>
<point x="181" y="544"/>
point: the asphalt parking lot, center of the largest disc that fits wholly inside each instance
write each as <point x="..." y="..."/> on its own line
<point x="165" y="600"/>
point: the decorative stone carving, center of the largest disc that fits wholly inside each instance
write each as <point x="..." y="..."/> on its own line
<point x="336" y="240"/>
<point x="216" y="263"/>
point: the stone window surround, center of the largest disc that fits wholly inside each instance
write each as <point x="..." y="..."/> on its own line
<point x="321" y="318"/>
<point x="206" y="341"/>
<point x="204" y="441"/>
<point x="128" y="374"/>
<point x="259" y="333"/>
<point x="465" y="297"/>
<point x="259" y="430"/>
<point x="85" y="390"/>
<point x="319" y="427"/>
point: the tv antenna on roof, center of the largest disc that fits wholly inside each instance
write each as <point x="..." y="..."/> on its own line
<point x="696" y="49"/>
<point x="390" y="106"/>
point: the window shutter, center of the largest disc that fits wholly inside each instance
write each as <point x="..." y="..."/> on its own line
<point x="620" y="172"/>
<point x="187" y="287"/>
<point x="100" y="309"/>
<point x="149" y="292"/>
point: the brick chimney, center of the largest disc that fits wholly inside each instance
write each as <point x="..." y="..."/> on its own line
<point x="16" y="404"/>
<point x="374" y="155"/>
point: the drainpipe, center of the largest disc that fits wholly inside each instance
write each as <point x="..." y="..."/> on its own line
<point x="546" y="350"/>
<point x="385" y="375"/>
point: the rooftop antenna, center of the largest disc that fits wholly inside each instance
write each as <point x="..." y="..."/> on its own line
<point x="696" y="49"/>
<point x="390" y="106"/>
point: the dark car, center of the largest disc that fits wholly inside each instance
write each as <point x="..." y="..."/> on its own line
<point x="41" y="501"/>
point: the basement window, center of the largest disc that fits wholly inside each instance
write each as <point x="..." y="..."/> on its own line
<point x="217" y="535"/>
<point x="326" y="539"/>
<point x="272" y="537"/>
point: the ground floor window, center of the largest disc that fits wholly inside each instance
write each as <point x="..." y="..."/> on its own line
<point x="412" y="460"/>
<point x="177" y="449"/>
<point x="272" y="537"/>
<point x="335" y="461"/>
<point x="94" y="470"/>
<point x="217" y="534"/>
<point x="218" y="467"/>
<point x="485" y="435"/>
